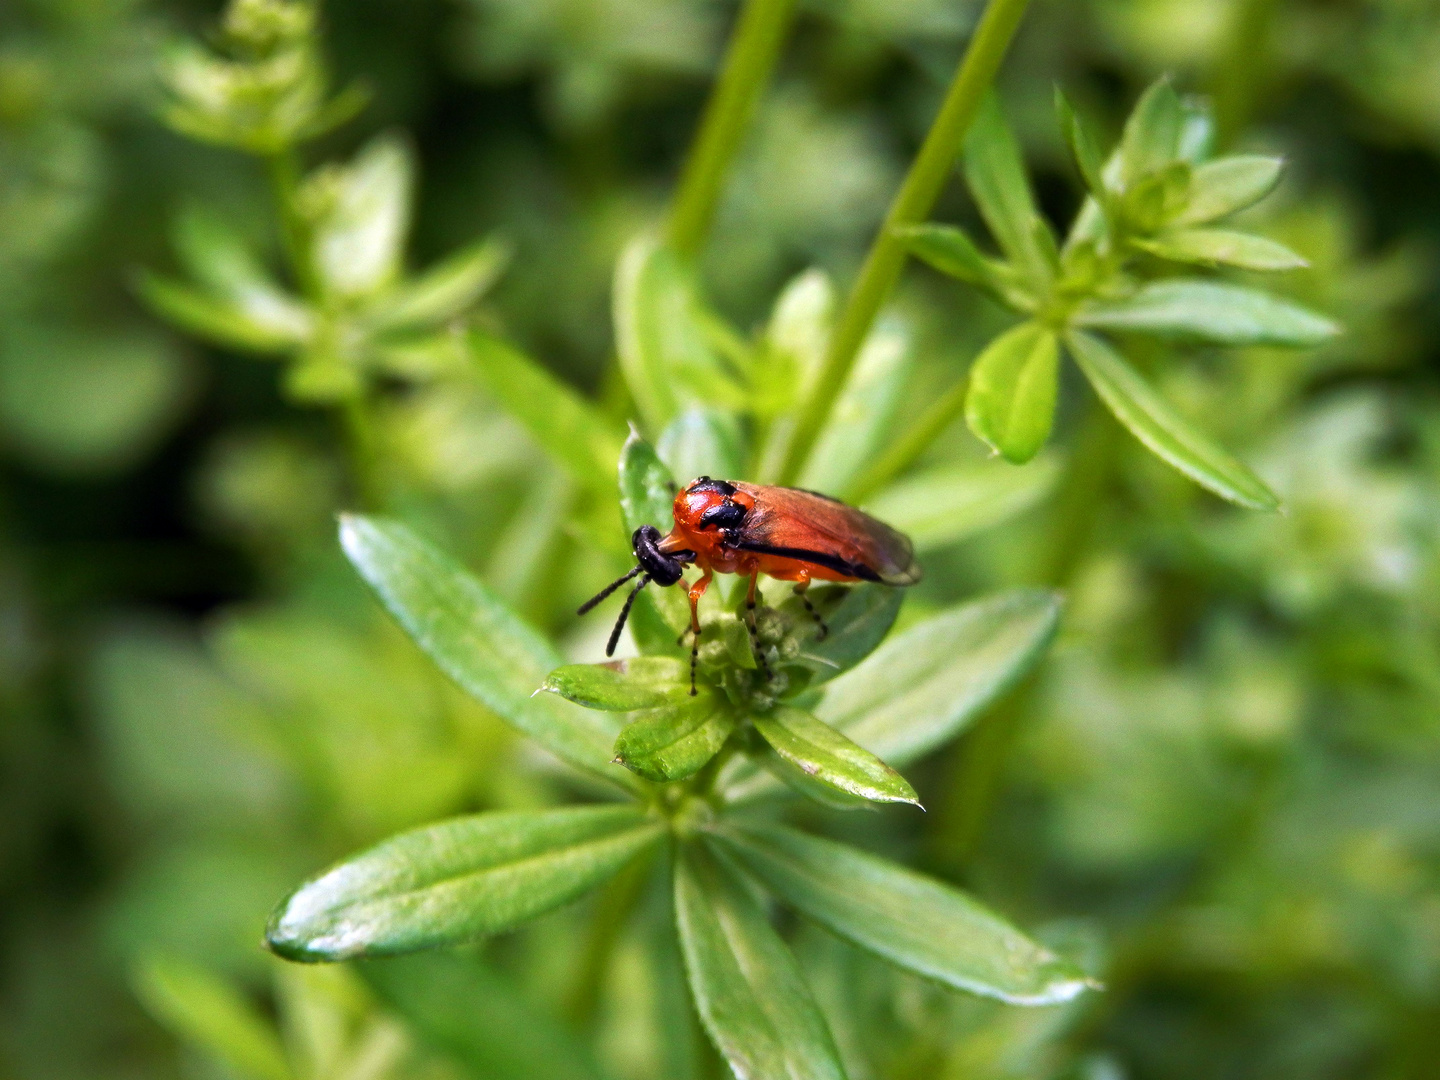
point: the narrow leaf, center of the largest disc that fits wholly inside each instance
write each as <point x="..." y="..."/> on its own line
<point x="1152" y="134"/>
<point x="212" y="1016"/>
<point x="995" y="173"/>
<point x="750" y="993"/>
<point x="954" y="502"/>
<point x="444" y="291"/>
<point x="1082" y="146"/>
<point x="479" y="1018"/>
<point x="855" y="626"/>
<point x="647" y="489"/>
<point x="360" y="233"/>
<point x="1219" y="247"/>
<point x="922" y="687"/>
<point x="1230" y="184"/>
<point x="1187" y="308"/>
<point x="702" y="442"/>
<point x="676" y="741"/>
<point x="1165" y="432"/>
<point x="223" y="322"/>
<point x="952" y="252"/>
<point x="456" y="881"/>
<point x="821" y="752"/>
<point x="569" y="428"/>
<point x="911" y="920"/>
<point x="646" y="682"/>
<point x="1013" y="384"/>
<point x="477" y="640"/>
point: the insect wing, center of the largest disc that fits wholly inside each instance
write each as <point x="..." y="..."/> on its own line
<point x="829" y="532"/>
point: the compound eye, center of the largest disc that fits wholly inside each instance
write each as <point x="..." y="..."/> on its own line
<point x="726" y="515"/>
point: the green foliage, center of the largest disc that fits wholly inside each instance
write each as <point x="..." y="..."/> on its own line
<point x="1213" y="793"/>
<point x="1146" y="198"/>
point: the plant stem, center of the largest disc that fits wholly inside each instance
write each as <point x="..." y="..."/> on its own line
<point x="285" y="180"/>
<point x="749" y="62"/>
<point x="912" y="204"/>
<point x="906" y="450"/>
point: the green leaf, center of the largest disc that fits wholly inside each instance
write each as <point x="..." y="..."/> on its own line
<point x="479" y="1018"/>
<point x="952" y="252"/>
<point x="1152" y="134"/>
<point x="996" y="176"/>
<point x="1163" y="431"/>
<point x="477" y="640"/>
<point x="922" y="687"/>
<point x="750" y="993"/>
<point x="865" y="413"/>
<point x="447" y="289"/>
<point x="702" y="442"/>
<point x="1010" y="404"/>
<point x="663" y="338"/>
<point x="676" y="741"/>
<point x="217" y="320"/>
<point x="647" y="490"/>
<point x="570" y="429"/>
<point x="857" y="624"/>
<point x="360" y="214"/>
<point x="212" y="1016"/>
<point x="1082" y="147"/>
<point x="953" y="502"/>
<point x="1188" y="308"/>
<point x="456" y="881"/>
<point x="914" y="921"/>
<point x="1230" y="184"/>
<point x="1219" y="247"/>
<point x="821" y="752"/>
<point x="645" y="682"/>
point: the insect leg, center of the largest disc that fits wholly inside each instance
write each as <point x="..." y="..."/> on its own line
<point x="696" y="591"/>
<point x="800" y="592"/>
<point x="754" y="633"/>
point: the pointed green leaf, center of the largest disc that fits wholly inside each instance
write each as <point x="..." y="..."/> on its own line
<point x="645" y="682"/>
<point x="1228" y="185"/>
<point x="1083" y="146"/>
<point x="1186" y="308"/>
<point x="996" y="176"/>
<point x="1152" y="134"/>
<point x="821" y="752"/>
<point x="447" y="289"/>
<point x="675" y="742"/>
<point x="856" y="624"/>
<point x="456" y="881"/>
<point x="647" y="489"/>
<point x="1155" y="200"/>
<point x="914" y="921"/>
<point x="221" y="321"/>
<point x="922" y="687"/>
<point x="212" y="1016"/>
<point x="952" y="252"/>
<point x="1013" y="384"/>
<point x="953" y="502"/>
<point x="702" y="442"/>
<point x="477" y="640"/>
<point x="569" y="428"/>
<point x="865" y="413"/>
<point x="1164" y="431"/>
<point x="478" y="1017"/>
<point x="748" y="989"/>
<point x="1220" y="247"/>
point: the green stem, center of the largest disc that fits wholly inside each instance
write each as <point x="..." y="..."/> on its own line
<point x="285" y="180"/>
<point x="749" y="62"/>
<point x="906" y="450"/>
<point x="912" y="204"/>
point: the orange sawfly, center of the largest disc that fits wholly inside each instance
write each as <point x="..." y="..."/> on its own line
<point x="730" y="527"/>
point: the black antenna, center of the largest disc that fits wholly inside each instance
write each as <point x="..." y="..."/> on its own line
<point x="603" y="593"/>
<point x="624" y="613"/>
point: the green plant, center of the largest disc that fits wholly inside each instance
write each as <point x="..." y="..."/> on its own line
<point x="685" y="792"/>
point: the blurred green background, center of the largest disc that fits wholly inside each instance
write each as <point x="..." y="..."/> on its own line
<point x="1223" y="786"/>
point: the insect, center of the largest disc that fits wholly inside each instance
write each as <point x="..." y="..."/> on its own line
<point x="729" y="527"/>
